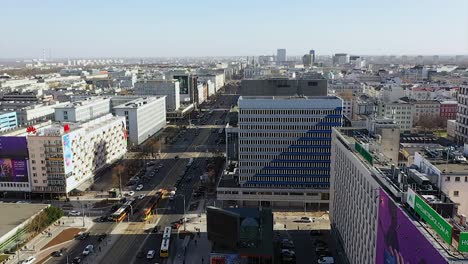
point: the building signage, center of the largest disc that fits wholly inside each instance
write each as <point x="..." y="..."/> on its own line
<point x="437" y="222"/>
<point x="463" y="242"/>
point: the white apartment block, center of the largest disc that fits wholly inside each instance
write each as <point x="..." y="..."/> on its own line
<point x="400" y="112"/>
<point x="352" y="193"/>
<point x="83" y="110"/>
<point x="61" y="159"/>
<point x="169" y="88"/>
<point x="36" y="113"/>
<point x="144" y="117"/>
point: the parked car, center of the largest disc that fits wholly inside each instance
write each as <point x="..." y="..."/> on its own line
<point x="130" y="193"/>
<point x="139" y="187"/>
<point x="151" y="254"/>
<point x="306" y="220"/>
<point x="88" y="250"/>
<point x="184" y="220"/>
<point x="74" y="213"/>
<point x="76" y="260"/>
<point x="29" y="260"/>
<point x="141" y="196"/>
<point x="59" y="252"/>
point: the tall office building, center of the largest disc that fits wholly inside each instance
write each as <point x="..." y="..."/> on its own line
<point x="281" y="55"/>
<point x="340" y="58"/>
<point x="312" y="53"/>
<point x="308" y="86"/>
<point x="461" y="132"/>
<point x="284" y="151"/>
<point x="307" y="60"/>
<point x="379" y="214"/>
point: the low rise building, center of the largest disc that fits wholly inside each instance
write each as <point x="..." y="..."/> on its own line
<point x="37" y="113"/>
<point x="401" y="112"/>
<point x="8" y="120"/>
<point x="448" y="110"/>
<point x="83" y="110"/>
<point x="426" y="109"/>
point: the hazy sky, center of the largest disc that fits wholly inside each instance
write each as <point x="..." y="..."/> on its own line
<point x="153" y="28"/>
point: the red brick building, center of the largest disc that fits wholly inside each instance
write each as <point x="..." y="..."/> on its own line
<point x="448" y="109"/>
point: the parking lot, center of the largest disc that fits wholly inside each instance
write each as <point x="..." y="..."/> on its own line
<point x="303" y="237"/>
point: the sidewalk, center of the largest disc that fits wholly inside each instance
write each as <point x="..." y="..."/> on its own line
<point x="34" y="246"/>
<point x="195" y="250"/>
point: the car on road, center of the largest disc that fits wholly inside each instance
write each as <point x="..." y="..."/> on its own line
<point x="287" y="244"/>
<point x="160" y="165"/>
<point x="139" y="187"/>
<point x="88" y="250"/>
<point x="326" y="260"/>
<point x="176" y="157"/>
<point x="74" y="213"/>
<point x="59" y="252"/>
<point x="141" y="196"/>
<point x="76" y="260"/>
<point x="150" y="254"/>
<point x="130" y="193"/>
<point x="102" y="237"/>
<point x="306" y="220"/>
<point x="155" y="229"/>
<point x="83" y="236"/>
<point x="315" y="233"/>
<point x="29" y="260"/>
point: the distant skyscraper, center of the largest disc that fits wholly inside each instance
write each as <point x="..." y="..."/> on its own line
<point x="307" y="60"/>
<point x="312" y="53"/>
<point x="281" y="55"/>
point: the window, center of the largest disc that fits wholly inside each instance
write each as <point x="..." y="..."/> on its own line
<point x="457" y="179"/>
<point x="455" y="193"/>
<point x="447" y="179"/>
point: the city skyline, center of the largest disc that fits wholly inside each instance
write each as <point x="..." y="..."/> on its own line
<point x="209" y="28"/>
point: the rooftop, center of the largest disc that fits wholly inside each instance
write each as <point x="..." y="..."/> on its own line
<point x="139" y="102"/>
<point x="15" y="214"/>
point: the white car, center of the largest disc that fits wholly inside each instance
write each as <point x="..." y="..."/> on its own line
<point x="29" y="260"/>
<point x="141" y="196"/>
<point x="74" y="213"/>
<point x="139" y="187"/>
<point x="131" y="193"/>
<point x="88" y="249"/>
<point x="151" y="254"/>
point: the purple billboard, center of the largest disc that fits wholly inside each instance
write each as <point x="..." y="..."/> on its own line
<point x="399" y="241"/>
<point x="13" y="170"/>
<point x="13" y="147"/>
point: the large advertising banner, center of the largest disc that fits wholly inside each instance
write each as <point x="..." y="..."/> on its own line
<point x="13" y="170"/>
<point x="399" y="240"/>
<point x="437" y="222"/>
<point x="13" y="147"/>
<point x="183" y="84"/>
<point x="67" y="153"/>
<point x="463" y="242"/>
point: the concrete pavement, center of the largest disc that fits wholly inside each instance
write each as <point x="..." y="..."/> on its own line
<point x="34" y="246"/>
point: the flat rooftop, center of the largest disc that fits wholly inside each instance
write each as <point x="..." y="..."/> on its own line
<point x="15" y="214"/>
<point x="139" y="102"/>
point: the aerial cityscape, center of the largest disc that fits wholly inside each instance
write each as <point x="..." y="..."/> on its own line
<point x="260" y="132"/>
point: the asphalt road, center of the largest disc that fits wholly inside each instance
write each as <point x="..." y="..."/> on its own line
<point x="126" y="248"/>
<point x="189" y="145"/>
